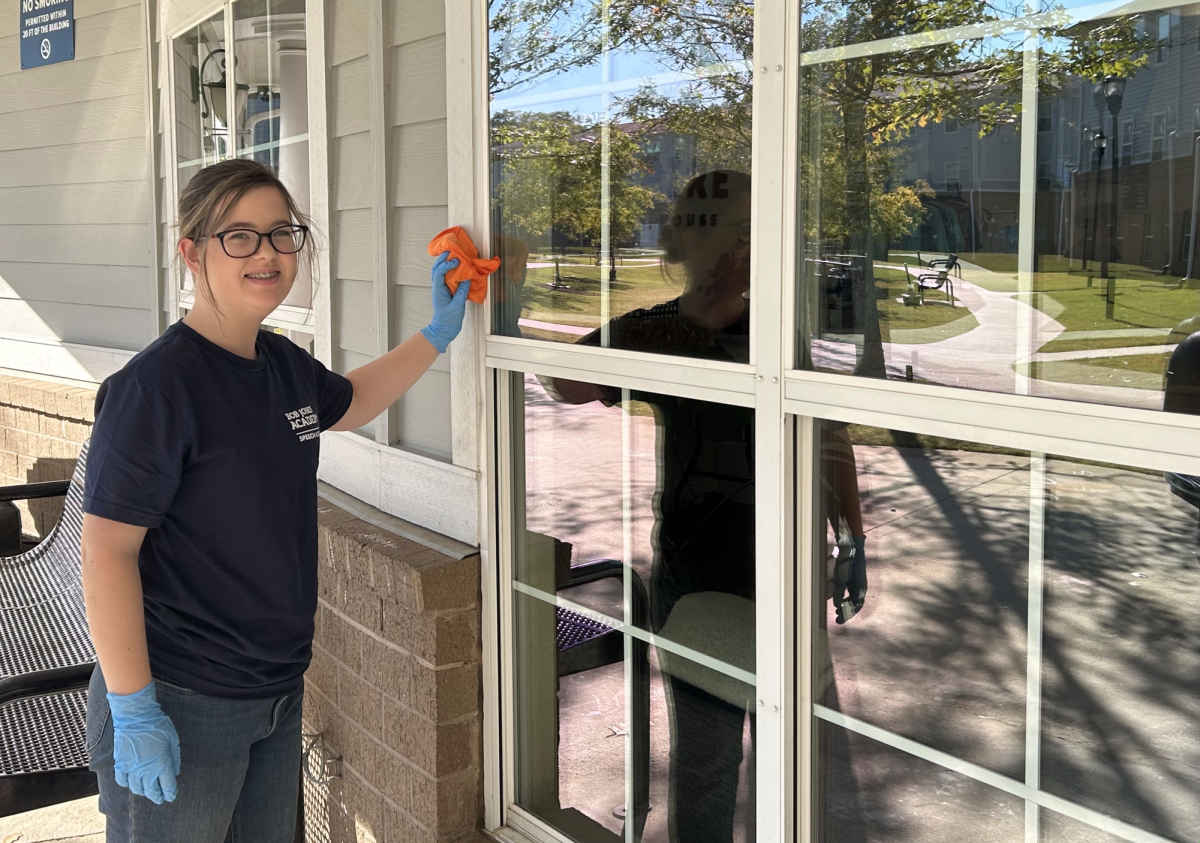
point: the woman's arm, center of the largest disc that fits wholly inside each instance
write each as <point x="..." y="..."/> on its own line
<point x="380" y="383"/>
<point x="112" y="593"/>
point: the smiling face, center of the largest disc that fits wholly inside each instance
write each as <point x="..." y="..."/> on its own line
<point x="244" y="288"/>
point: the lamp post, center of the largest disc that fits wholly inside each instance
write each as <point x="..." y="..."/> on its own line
<point x="1114" y="92"/>
<point x="1099" y="141"/>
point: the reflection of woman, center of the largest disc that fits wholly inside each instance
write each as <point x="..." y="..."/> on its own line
<point x="705" y="503"/>
<point x="703" y="574"/>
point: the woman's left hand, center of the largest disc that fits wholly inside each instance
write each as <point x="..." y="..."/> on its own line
<point x="448" y="310"/>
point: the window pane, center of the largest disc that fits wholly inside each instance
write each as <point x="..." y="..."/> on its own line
<point x="940" y="244"/>
<point x="620" y="174"/>
<point x="633" y="515"/>
<point x="928" y="631"/>
<point x="271" y="108"/>
<point x="871" y="792"/>
<point x="201" y="136"/>
<point x="936" y="653"/>
<point x="1121" y="655"/>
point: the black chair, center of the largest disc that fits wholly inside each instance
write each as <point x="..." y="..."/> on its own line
<point x="587" y="642"/>
<point x="46" y="660"/>
<point x="939" y="280"/>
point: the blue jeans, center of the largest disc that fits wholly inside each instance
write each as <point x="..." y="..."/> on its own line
<point x="239" y="773"/>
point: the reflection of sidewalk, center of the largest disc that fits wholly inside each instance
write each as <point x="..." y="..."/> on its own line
<point x="984" y="358"/>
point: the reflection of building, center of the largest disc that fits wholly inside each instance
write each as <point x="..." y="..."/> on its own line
<point x="978" y="179"/>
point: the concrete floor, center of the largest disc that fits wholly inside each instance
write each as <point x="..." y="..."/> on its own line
<point x="73" y="822"/>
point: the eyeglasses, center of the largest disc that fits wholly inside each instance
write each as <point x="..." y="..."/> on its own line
<point x="245" y="242"/>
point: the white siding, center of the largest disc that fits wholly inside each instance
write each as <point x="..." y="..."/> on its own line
<point x="77" y="197"/>
<point x="418" y="191"/>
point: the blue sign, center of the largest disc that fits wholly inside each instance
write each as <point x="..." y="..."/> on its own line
<point x="47" y="32"/>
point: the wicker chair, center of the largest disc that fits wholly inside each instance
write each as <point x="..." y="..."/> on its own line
<point x="46" y="660"/>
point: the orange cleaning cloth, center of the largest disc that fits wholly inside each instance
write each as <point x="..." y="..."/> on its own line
<point x="471" y="268"/>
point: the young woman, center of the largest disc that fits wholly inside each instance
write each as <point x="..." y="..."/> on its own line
<point x="199" y="533"/>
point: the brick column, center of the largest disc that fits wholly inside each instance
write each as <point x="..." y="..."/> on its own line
<point x="42" y="427"/>
<point x="395" y="687"/>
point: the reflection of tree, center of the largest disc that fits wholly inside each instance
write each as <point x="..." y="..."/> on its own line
<point x="853" y="110"/>
<point x="552" y="168"/>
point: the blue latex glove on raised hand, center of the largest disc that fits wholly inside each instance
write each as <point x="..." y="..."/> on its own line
<point x="448" y="310"/>
<point x="145" y="745"/>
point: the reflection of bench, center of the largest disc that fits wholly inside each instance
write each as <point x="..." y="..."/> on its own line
<point x="585" y="643"/>
<point x="46" y="660"/>
<point x="940" y="280"/>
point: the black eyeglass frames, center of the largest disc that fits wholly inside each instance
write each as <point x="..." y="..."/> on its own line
<point x="244" y="242"/>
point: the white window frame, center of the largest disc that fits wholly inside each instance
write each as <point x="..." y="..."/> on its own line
<point x="786" y="400"/>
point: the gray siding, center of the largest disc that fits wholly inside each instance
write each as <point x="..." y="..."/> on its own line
<point x="416" y="188"/>
<point x="417" y="165"/>
<point x="76" y="192"/>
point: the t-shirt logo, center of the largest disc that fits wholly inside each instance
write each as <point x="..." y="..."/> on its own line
<point x="305" y="423"/>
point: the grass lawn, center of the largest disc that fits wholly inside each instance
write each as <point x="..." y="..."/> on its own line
<point x="1137" y="303"/>
<point x="1135" y="371"/>
<point x="636" y="286"/>
<point x="645" y="285"/>
<point x="935" y="320"/>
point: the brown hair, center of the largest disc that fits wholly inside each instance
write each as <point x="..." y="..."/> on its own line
<point x="208" y="197"/>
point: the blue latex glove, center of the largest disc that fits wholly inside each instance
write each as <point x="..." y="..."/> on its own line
<point x="145" y="745"/>
<point x="850" y="579"/>
<point x="448" y="310"/>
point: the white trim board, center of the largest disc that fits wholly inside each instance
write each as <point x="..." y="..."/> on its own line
<point x="80" y="363"/>
<point x="431" y="494"/>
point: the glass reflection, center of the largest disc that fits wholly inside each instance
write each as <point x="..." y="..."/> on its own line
<point x="271" y="106"/>
<point x="953" y="534"/>
<point x="637" y="511"/>
<point x="201" y="130"/>
<point x="994" y="212"/>
<point x="619" y="132"/>
<point x="1121" y="653"/>
<point x="936" y="653"/>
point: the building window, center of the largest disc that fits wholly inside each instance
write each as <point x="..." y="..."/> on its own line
<point x="951" y="125"/>
<point x="1044" y="117"/>
<point x="1158" y="136"/>
<point x="1163" y="39"/>
<point x="241" y="89"/>
<point x="1128" y="142"/>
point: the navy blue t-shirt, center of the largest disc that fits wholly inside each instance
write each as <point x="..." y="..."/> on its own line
<point x="217" y="456"/>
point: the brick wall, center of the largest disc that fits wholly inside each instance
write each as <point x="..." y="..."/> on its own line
<point x="394" y="684"/>
<point x="42" y="427"/>
<point x="394" y="687"/>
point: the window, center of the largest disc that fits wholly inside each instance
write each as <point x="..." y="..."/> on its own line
<point x="251" y="104"/>
<point x="909" y="479"/>
<point x="1163" y="38"/>
<point x="1147" y="239"/>
<point x="1158" y="136"/>
<point x="1128" y="142"/>
<point x="1044" y="117"/>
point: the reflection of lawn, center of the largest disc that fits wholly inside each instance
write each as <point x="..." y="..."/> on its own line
<point x="935" y="320"/>
<point x="1137" y="303"/>
<point x="645" y="286"/>
<point x="636" y="286"/>
<point x="1135" y="371"/>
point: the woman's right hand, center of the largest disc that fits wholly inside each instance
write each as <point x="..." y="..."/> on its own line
<point x="145" y="745"/>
